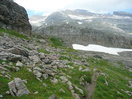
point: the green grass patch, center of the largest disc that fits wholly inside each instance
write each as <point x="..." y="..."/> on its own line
<point x="4" y="61"/>
<point x="56" y="42"/>
<point x="34" y="85"/>
<point x="65" y="58"/>
<point x="75" y="76"/>
<point x="43" y="51"/>
<point x="117" y="78"/>
<point x="3" y="85"/>
<point x="13" y="33"/>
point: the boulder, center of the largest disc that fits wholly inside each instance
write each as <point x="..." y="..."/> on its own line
<point x="17" y="87"/>
<point x="53" y="97"/>
<point x="34" y="58"/>
<point x="19" y="64"/>
<point x="14" y="58"/>
<point x="14" y="16"/>
<point x="1" y="96"/>
<point x="37" y="73"/>
<point x="19" y="51"/>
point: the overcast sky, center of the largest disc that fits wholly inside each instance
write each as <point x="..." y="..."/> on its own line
<point x="44" y="7"/>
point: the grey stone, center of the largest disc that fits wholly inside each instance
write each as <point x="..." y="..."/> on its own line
<point x="17" y="87"/>
<point x="98" y="56"/>
<point x="47" y="61"/>
<point x="17" y="68"/>
<point x="45" y="76"/>
<point x="36" y="92"/>
<point x="19" y="51"/>
<point x="19" y="64"/>
<point x="80" y="90"/>
<point x="34" y="58"/>
<point x="53" y="97"/>
<point x="42" y="41"/>
<point x="37" y="68"/>
<point x="63" y="78"/>
<point x="14" y="58"/>
<point x="13" y="16"/>
<point x="1" y="96"/>
<point x="62" y="90"/>
<point x="37" y="73"/>
<point x="10" y="57"/>
<point x="44" y="84"/>
<point x="54" y="81"/>
<point x="41" y="55"/>
<point x="86" y="70"/>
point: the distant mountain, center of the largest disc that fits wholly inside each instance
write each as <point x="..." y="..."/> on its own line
<point x="56" y="18"/>
<point x="121" y="13"/>
<point x="84" y="27"/>
<point x="79" y="12"/>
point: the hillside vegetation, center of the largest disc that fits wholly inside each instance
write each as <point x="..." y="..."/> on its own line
<point x="69" y="74"/>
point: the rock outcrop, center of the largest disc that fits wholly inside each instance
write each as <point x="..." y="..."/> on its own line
<point x="77" y="35"/>
<point x="14" y="16"/>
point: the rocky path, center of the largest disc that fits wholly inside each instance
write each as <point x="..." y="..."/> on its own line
<point x="91" y="87"/>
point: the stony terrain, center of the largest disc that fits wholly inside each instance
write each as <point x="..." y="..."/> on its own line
<point x="44" y="68"/>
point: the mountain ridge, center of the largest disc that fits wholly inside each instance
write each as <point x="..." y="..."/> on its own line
<point x="88" y="28"/>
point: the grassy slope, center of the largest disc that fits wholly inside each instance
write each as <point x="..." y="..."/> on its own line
<point x="13" y="33"/>
<point x="117" y="78"/>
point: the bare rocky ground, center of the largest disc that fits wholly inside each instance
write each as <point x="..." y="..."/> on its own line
<point x="44" y="68"/>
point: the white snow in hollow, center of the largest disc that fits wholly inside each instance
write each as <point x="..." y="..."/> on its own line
<point x="79" y="22"/>
<point x="99" y="48"/>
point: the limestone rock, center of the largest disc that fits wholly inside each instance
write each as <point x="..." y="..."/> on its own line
<point x="62" y="90"/>
<point x="19" y="51"/>
<point x="53" y="97"/>
<point x="19" y="64"/>
<point x="10" y="57"/>
<point x="34" y="58"/>
<point x="45" y="76"/>
<point x="13" y="16"/>
<point x="37" y="73"/>
<point x="54" y="81"/>
<point x="64" y="79"/>
<point x="1" y="96"/>
<point x="17" y="87"/>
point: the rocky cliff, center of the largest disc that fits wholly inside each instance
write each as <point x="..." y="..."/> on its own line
<point x="14" y="16"/>
<point x="72" y="34"/>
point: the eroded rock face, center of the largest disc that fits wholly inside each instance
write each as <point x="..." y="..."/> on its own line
<point x="13" y="16"/>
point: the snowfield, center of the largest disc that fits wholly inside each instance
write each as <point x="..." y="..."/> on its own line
<point x="99" y="48"/>
<point x="77" y="17"/>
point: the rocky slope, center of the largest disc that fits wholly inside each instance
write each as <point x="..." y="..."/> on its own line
<point x="43" y="67"/>
<point x="13" y="16"/>
<point x="40" y="67"/>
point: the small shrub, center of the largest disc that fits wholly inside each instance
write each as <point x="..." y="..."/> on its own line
<point x="65" y="58"/>
<point x="43" y="51"/>
<point x="56" y="42"/>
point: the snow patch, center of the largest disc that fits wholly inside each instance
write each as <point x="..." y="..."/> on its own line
<point x="80" y="17"/>
<point x="90" y="20"/>
<point x="67" y="22"/>
<point x="99" y="48"/>
<point x="37" y="22"/>
<point x="79" y="22"/>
